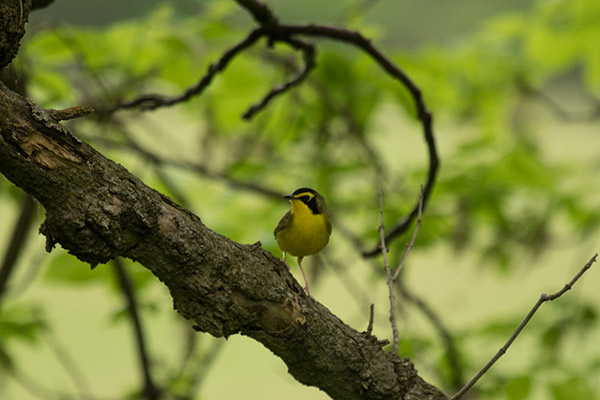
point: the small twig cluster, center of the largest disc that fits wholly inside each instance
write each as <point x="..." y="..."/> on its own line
<point x="543" y="298"/>
<point x="392" y="276"/>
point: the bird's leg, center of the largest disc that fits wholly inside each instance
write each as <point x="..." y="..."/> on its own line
<point x="304" y="276"/>
<point x="285" y="261"/>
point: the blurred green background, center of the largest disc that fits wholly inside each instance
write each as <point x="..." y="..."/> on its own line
<point x="514" y="88"/>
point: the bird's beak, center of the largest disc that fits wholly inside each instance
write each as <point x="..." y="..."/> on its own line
<point x="288" y="196"/>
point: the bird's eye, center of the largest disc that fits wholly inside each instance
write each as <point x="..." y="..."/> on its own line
<point x="305" y="198"/>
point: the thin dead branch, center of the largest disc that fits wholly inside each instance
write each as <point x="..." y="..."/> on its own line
<point x="543" y="298"/>
<point x="390" y="280"/>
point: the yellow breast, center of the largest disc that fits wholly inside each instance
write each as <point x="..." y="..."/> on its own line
<point x="306" y="233"/>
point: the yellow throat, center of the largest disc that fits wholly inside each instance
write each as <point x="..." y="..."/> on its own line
<point x="304" y="232"/>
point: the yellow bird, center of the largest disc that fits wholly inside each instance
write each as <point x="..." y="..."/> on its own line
<point x="305" y="229"/>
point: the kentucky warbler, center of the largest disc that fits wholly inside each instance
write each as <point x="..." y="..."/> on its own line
<point x="305" y="229"/>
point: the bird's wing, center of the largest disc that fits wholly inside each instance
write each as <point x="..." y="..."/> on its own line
<point x="283" y="222"/>
<point x="328" y="224"/>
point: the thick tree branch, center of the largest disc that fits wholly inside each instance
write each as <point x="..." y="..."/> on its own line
<point x="13" y="15"/>
<point x="98" y="211"/>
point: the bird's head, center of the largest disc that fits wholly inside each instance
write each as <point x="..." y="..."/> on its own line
<point x="306" y="199"/>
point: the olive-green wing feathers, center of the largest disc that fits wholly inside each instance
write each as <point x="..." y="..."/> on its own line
<point x="328" y="224"/>
<point x="285" y="221"/>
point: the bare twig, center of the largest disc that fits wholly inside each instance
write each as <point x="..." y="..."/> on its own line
<point x="153" y="101"/>
<point x="151" y="391"/>
<point x="308" y="52"/>
<point x="390" y="281"/>
<point x="371" y="317"/>
<point x="583" y="116"/>
<point x="543" y="298"/>
<point x="17" y="242"/>
<point x="414" y="237"/>
<point x="70" y="113"/>
<point x="21" y="11"/>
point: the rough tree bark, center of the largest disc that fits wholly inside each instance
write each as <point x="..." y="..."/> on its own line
<point x="98" y="211"/>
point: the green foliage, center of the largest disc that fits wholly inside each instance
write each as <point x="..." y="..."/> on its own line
<point x="18" y="323"/>
<point x="501" y="191"/>
<point x="21" y="322"/>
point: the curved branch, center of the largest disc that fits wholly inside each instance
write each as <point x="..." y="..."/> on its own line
<point x="308" y="52"/>
<point x="154" y="101"/>
<point x="98" y="211"/>
<point x="358" y="40"/>
<point x="270" y="27"/>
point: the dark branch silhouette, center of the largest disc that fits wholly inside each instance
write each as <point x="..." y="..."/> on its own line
<point x="17" y="242"/>
<point x="154" y="101"/>
<point x="150" y="390"/>
<point x="308" y="52"/>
